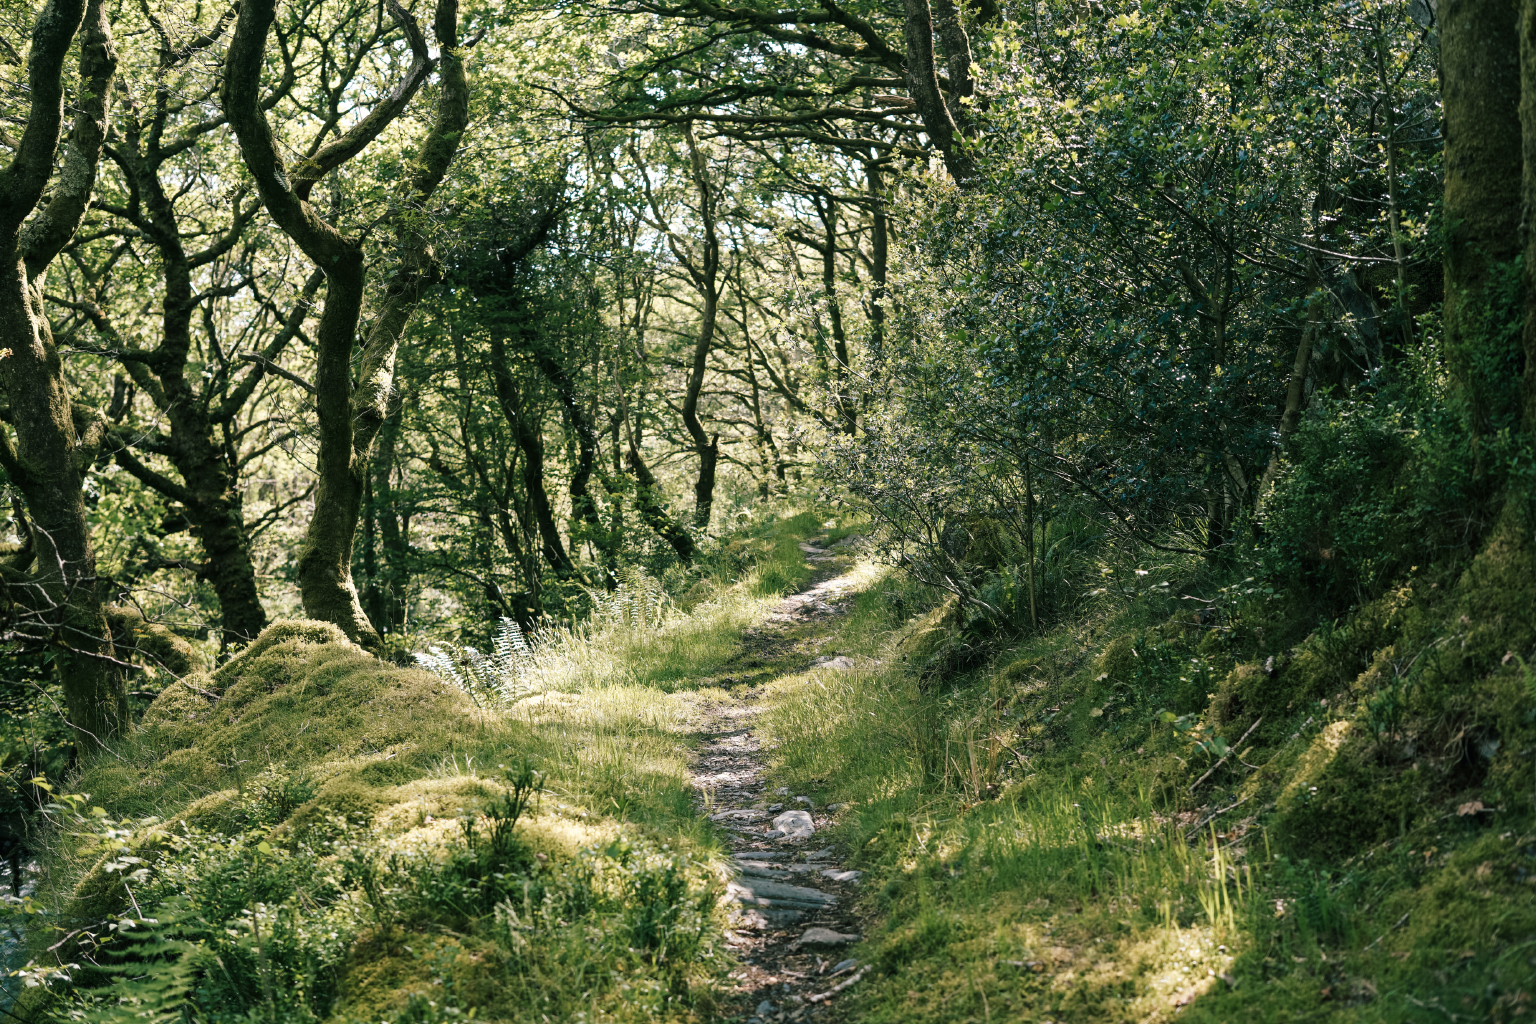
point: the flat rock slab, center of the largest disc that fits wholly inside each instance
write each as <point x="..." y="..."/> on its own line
<point x="754" y="892"/>
<point x="744" y="815"/>
<point x="841" y="876"/>
<point x="768" y="871"/>
<point x="841" y="663"/>
<point x="825" y="937"/>
<point x="795" y="825"/>
<point x="760" y="919"/>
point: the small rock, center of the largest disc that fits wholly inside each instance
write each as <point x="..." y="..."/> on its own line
<point x="803" y="800"/>
<point x="824" y="937"/>
<point x="764" y="1008"/>
<point x="775" y="808"/>
<point x="842" y="876"/>
<point x="825" y="854"/>
<point x="781" y="791"/>
<point x="795" y="825"/>
<point x="834" y="808"/>
<point x="839" y="663"/>
<point x="1027" y="965"/>
<point x="774" y="834"/>
<point x="842" y="966"/>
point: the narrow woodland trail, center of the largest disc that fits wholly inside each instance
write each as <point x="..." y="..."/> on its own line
<point x="793" y="916"/>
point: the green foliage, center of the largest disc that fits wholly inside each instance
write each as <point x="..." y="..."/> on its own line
<point x="495" y="680"/>
<point x="336" y="880"/>
<point x="142" y="970"/>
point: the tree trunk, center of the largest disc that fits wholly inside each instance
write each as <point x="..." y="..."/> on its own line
<point x="349" y="417"/>
<point x="879" y="260"/>
<point x="582" y="502"/>
<point x="707" y="279"/>
<point x="923" y="84"/>
<point x="62" y="596"/>
<point x="530" y="440"/>
<point x="653" y="510"/>
<point x="1528" y="205"/>
<point x="386" y="604"/>
<point x="209" y="467"/>
<point x="1480" y="89"/>
<point x="842" y="401"/>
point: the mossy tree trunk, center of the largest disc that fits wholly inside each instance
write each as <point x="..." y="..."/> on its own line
<point x="54" y="583"/>
<point x="350" y="412"/>
<point x="389" y="578"/>
<point x="1528" y="206"/>
<point x="944" y="128"/>
<point x="200" y="409"/>
<point x="1480" y="72"/>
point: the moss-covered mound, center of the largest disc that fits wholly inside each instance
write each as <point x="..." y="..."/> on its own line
<point x="308" y="833"/>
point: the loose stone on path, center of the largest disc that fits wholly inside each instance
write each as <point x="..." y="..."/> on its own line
<point x="795" y="825"/>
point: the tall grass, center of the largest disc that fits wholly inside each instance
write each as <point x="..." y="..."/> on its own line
<point x="638" y="634"/>
<point x="977" y="855"/>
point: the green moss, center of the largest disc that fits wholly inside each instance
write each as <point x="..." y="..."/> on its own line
<point x="354" y="801"/>
<point x="149" y="643"/>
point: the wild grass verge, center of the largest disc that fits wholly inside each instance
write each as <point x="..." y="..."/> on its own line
<point x="1127" y="817"/>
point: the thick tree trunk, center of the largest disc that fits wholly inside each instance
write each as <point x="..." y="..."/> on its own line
<point x="63" y="593"/>
<point x="923" y="84"/>
<point x="219" y="525"/>
<point x="1480" y="90"/>
<point x="62" y="597"/>
<point x="1528" y="205"/>
<point x="209" y="469"/>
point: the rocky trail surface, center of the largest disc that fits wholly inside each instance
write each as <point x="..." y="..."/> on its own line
<point x="793" y="901"/>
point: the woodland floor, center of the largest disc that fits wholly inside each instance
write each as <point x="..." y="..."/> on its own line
<point x="793" y="915"/>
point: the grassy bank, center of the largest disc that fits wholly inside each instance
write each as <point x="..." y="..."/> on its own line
<point x="1183" y="798"/>
<point x="1215" y="812"/>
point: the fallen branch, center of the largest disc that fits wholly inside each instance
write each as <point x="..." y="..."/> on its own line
<point x="822" y="997"/>
<point x="1235" y="747"/>
<point x="1218" y="814"/>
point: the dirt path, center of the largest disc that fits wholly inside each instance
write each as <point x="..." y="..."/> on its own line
<point x="794" y="918"/>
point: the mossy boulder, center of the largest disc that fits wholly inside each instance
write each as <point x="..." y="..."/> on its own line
<point x="1341" y="795"/>
<point x="136" y="639"/>
<point x="301" y="693"/>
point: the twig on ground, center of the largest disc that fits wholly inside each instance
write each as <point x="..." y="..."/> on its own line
<point x="1400" y="922"/>
<point x="1235" y="747"/>
<point x="1217" y="814"/>
<point x="822" y="997"/>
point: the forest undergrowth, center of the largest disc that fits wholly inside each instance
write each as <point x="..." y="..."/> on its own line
<point x="1138" y="815"/>
<point x="309" y="833"/>
<point x="1127" y="815"/>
